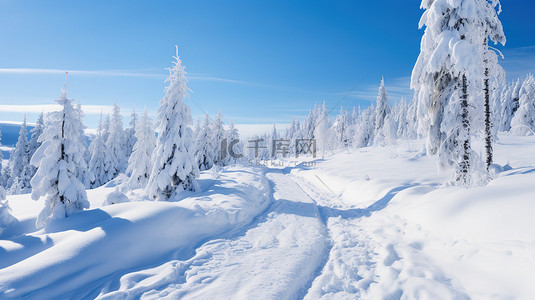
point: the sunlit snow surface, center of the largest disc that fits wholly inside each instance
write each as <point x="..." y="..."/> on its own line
<point x="371" y="223"/>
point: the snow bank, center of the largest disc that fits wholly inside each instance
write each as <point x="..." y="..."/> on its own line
<point x="75" y="256"/>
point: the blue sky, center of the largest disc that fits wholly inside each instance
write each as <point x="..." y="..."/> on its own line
<point x="257" y="61"/>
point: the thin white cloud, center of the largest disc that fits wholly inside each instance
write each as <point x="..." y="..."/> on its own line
<point x="119" y="73"/>
<point x="87" y="109"/>
<point x="112" y="73"/>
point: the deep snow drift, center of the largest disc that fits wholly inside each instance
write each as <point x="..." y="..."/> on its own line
<point x="371" y="223"/>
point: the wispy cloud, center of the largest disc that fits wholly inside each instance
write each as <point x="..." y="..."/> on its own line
<point x="111" y="73"/>
<point x="88" y="109"/>
<point x="121" y="73"/>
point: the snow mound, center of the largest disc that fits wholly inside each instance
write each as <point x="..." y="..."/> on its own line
<point x="76" y="256"/>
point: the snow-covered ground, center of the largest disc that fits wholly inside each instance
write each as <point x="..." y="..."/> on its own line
<point x="372" y="223"/>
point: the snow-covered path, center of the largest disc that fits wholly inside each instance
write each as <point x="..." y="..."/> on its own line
<point x="370" y="257"/>
<point x="277" y="257"/>
<point x="308" y="244"/>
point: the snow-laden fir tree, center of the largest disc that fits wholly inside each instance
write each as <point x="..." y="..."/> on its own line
<point x="204" y="146"/>
<point x="273" y="143"/>
<point x="84" y="141"/>
<point x="19" y="162"/>
<point x="5" y="212"/>
<point x="34" y="143"/>
<point x="116" y="158"/>
<point x="58" y="161"/>
<point x="448" y="80"/>
<point x="523" y="123"/>
<point x="402" y="119"/>
<point x="84" y="174"/>
<point x="174" y="168"/>
<point x="97" y="163"/>
<point x="340" y="128"/>
<point x="36" y="132"/>
<point x="364" y="128"/>
<point x="412" y="119"/>
<point x="235" y="146"/>
<point x="381" y="110"/>
<point x="293" y="134"/>
<point x="510" y="104"/>
<point x="322" y="132"/>
<point x="130" y="135"/>
<point x="106" y="128"/>
<point x="389" y="130"/>
<point x="140" y="162"/>
<point x="218" y="134"/>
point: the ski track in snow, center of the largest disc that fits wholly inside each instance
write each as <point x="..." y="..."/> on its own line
<point x="277" y="257"/>
<point x="370" y="257"/>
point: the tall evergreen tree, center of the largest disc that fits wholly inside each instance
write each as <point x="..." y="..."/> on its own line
<point x="236" y="147"/>
<point x="218" y="134"/>
<point x="116" y="158"/>
<point x="382" y="109"/>
<point x="140" y="162"/>
<point x="523" y="123"/>
<point x="59" y="160"/>
<point x="174" y="167"/>
<point x="322" y="132"/>
<point x="84" y="174"/>
<point x="5" y="211"/>
<point x="19" y="163"/>
<point x="97" y="163"/>
<point x="447" y="78"/>
<point x="204" y="148"/>
<point x="130" y="134"/>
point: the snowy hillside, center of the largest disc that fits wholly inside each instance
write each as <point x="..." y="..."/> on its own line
<point x="355" y="225"/>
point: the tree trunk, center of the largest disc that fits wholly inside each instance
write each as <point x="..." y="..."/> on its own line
<point x="464" y="166"/>
<point x="488" y="123"/>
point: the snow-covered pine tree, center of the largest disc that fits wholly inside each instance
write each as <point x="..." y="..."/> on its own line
<point x="364" y="128"/>
<point x="174" y="168"/>
<point x="510" y="104"/>
<point x="5" y="216"/>
<point x="523" y="123"/>
<point x="58" y="161"/>
<point x="382" y="109"/>
<point x="402" y="119"/>
<point x="19" y="162"/>
<point x="341" y="128"/>
<point x="115" y="159"/>
<point x="84" y="141"/>
<point x="106" y="128"/>
<point x="218" y="134"/>
<point x="84" y="174"/>
<point x="322" y="131"/>
<point x="34" y="143"/>
<point x="130" y="135"/>
<point x="447" y="78"/>
<point x="232" y="136"/>
<point x="389" y="130"/>
<point x="140" y="162"/>
<point x="204" y="146"/>
<point x="36" y="132"/>
<point x="97" y="163"/>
